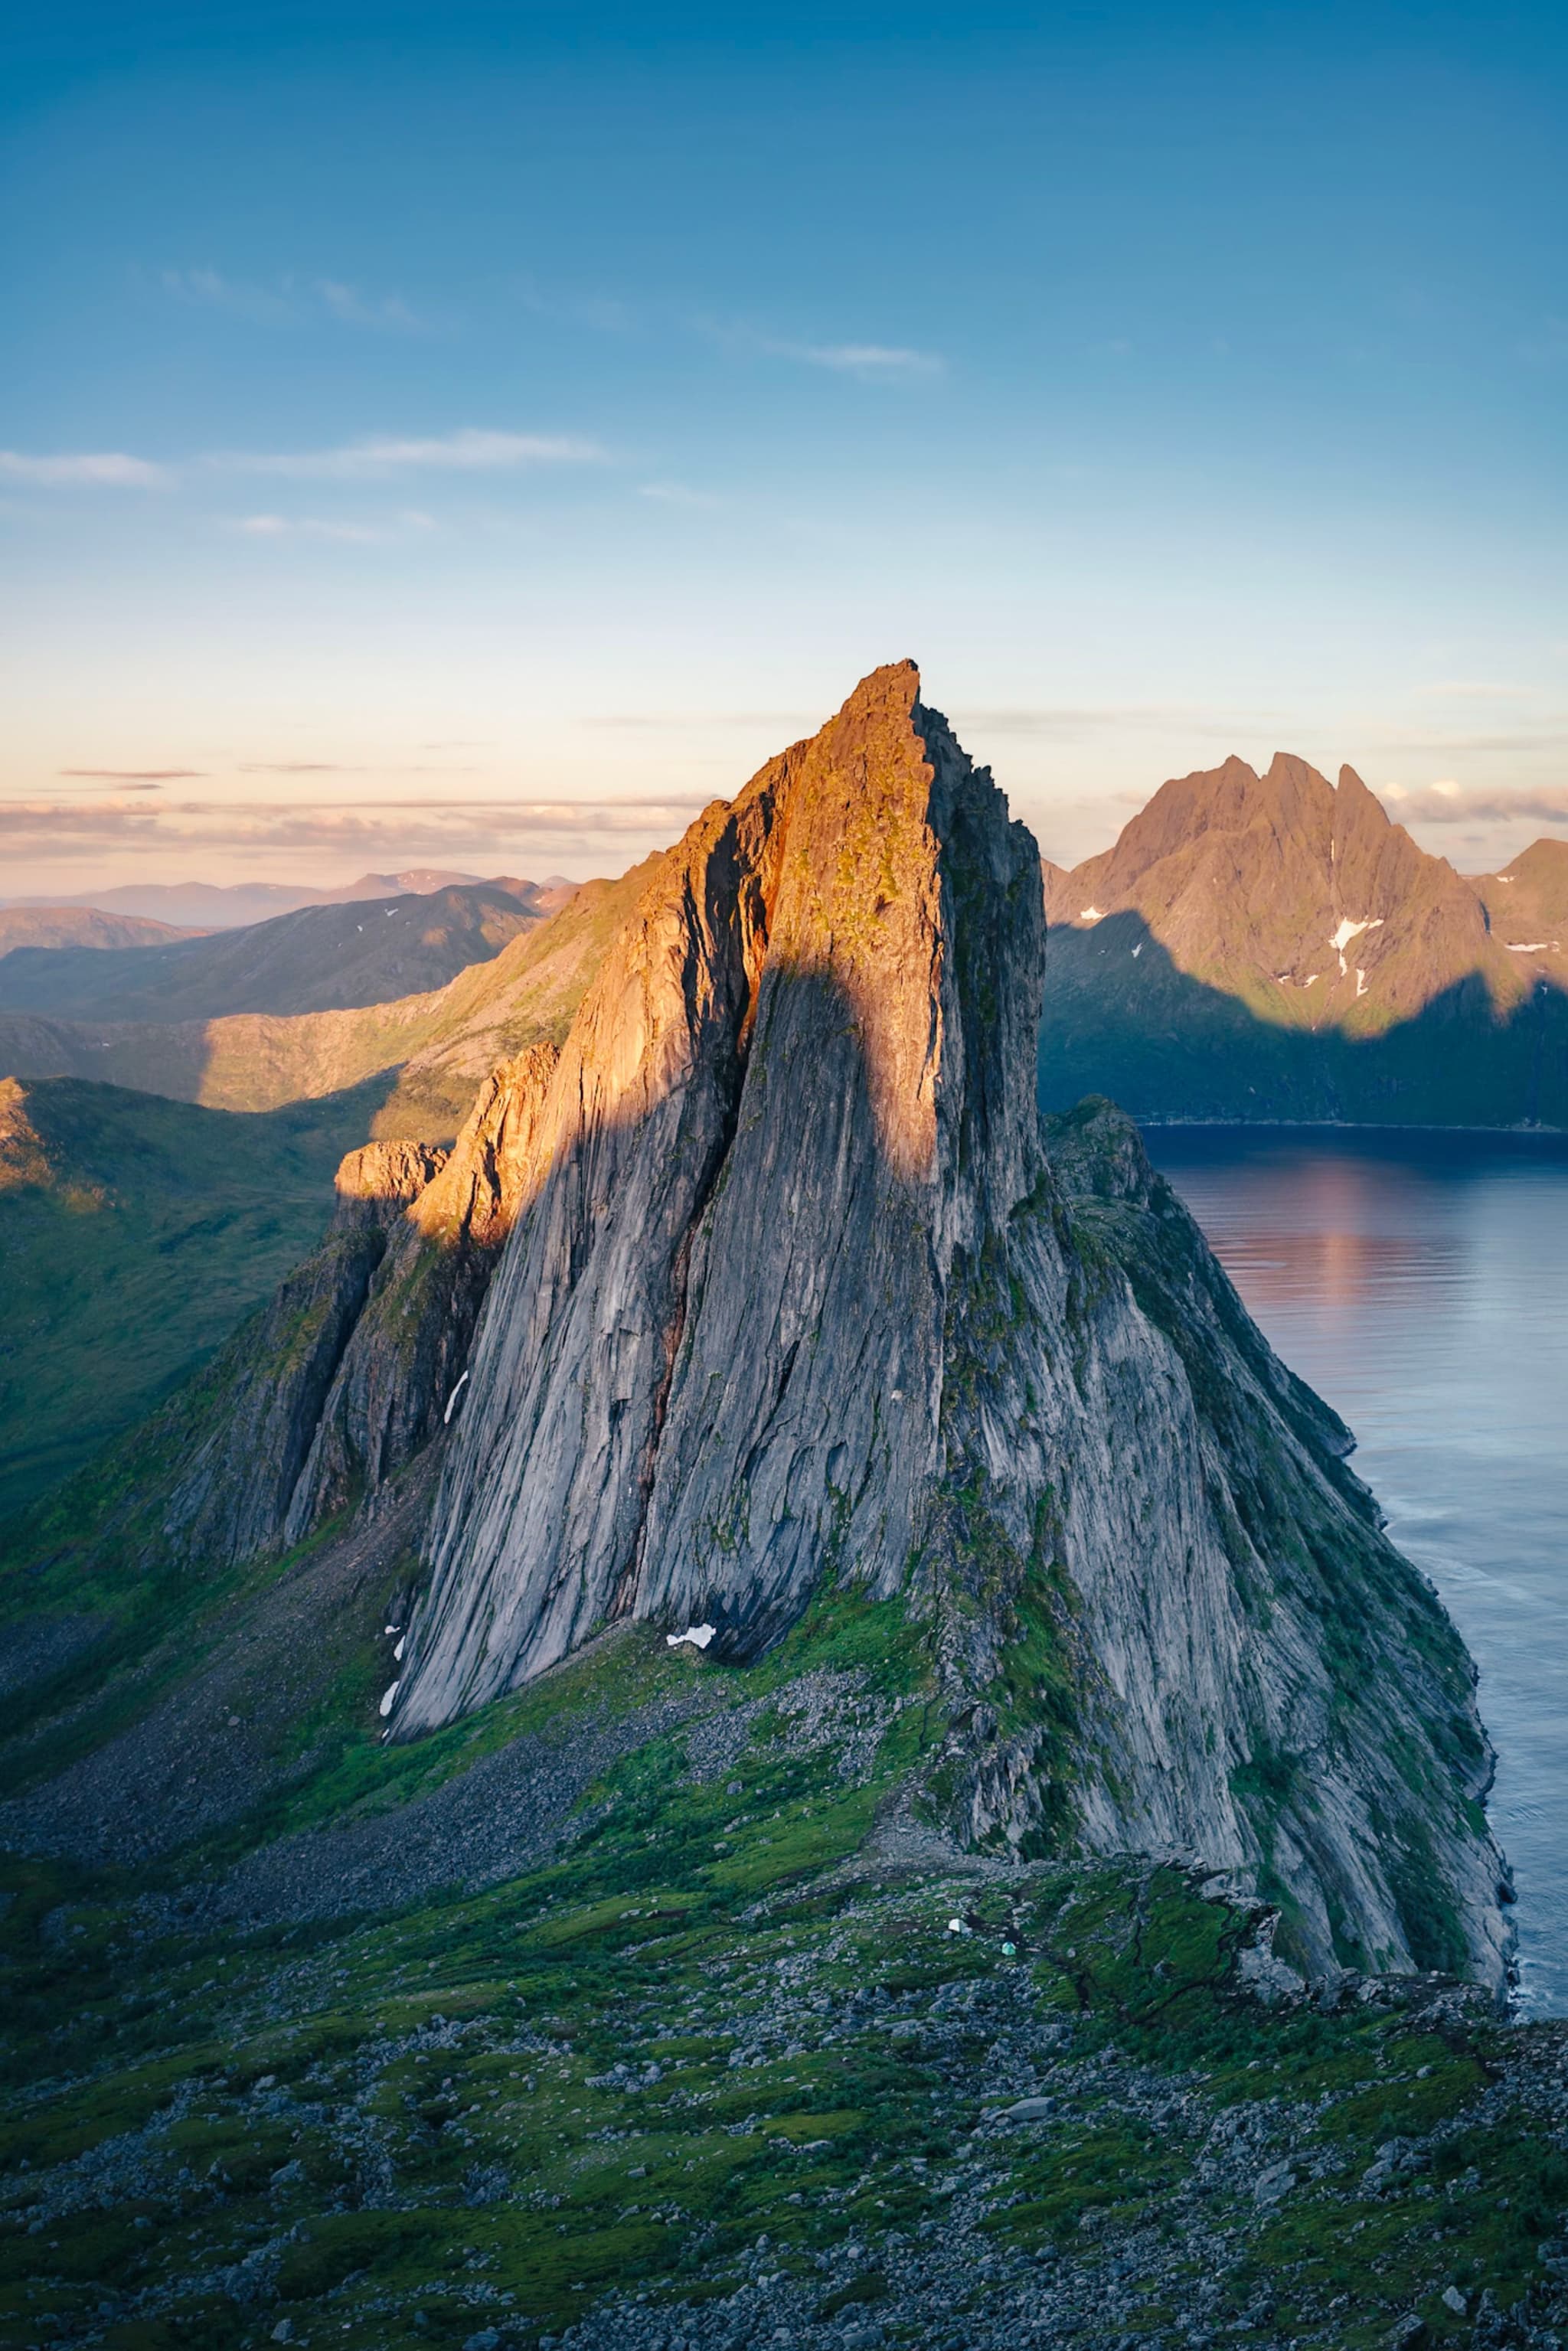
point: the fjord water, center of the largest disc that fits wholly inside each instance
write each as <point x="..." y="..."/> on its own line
<point x="1420" y="1283"/>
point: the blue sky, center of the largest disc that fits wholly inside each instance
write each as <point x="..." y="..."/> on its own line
<point x="481" y="436"/>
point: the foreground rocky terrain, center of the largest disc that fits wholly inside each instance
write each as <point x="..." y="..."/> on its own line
<point x="721" y="2043"/>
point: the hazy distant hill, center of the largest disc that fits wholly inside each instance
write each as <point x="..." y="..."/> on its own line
<point x="316" y="959"/>
<point x="79" y="926"/>
<point x="442" y="1042"/>
<point x="134" y="1234"/>
<point x="212" y="906"/>
<point x="1269" y="946"/>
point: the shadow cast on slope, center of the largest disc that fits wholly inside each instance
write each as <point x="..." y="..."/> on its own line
<point x="159" y="1227"/>
<point x="1121" y="1018"/>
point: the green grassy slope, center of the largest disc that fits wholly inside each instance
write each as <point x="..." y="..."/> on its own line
<point x="720" y="2068"/>
<point x="145" y="1232"/>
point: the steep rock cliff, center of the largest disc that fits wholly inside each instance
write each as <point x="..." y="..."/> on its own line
<point x="796" y="1297"/>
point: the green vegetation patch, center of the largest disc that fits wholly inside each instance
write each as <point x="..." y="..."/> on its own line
<point x="157" y="1227"/>
<point x="721" y="2039"/>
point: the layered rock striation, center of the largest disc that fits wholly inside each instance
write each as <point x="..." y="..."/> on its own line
<point x="793" y="1297"/>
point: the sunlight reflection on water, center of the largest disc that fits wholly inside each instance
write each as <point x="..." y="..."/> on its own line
<point x="1420" y="1283"/>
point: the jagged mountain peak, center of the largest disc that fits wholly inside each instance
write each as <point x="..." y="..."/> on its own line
<point x="770" y="1283"/>
<point x="794" y="1299"/>
<point x="803" y="1078"/>
<point x="1261" y="886"/>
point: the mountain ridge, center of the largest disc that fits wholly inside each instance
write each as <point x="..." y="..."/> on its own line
<point x="1275" y="946"/>
<point x="435" y="1049"/>
<point x="218" y="905"/>
<point x="329" y="957"/>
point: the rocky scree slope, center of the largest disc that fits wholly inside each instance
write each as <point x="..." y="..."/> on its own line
<point x="694" y="2055"/>
<point x="792" y="1295"/>
<point x="1267" y="946"/>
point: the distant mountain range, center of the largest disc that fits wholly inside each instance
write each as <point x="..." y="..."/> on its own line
<point x="1275" y="948"/>
<point x="432" y="1048"/>
<point x="213" y="906"/>
<point x="340" y="953"/>
<point x="81" y="927"/>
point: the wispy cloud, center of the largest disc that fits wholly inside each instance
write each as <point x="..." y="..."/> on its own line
<point x="100" y="469"/>
<point x="1446" y="802"/>
<point x="344" y="767"/>
<point x="357" y="534"/>
<point x="146" y="778"/>
<point x="291" y="300"/>
<point x="1070" y="722"/>
<point x="676" y="493"/>
<point x="696" y="721"/>
<point x="869" y="360"/>
<point x="209" y="290"/>
<point x="378" y="455"/>
<point x="353" y="308"/>
<point x="604" y="314"/>
<point x="377" y="830"/>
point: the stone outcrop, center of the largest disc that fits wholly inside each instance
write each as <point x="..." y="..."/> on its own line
<point x="794" y="1296"/>
<point x="352" y="1366"/>
<point x="398" y="1377"/>
<point x="24" y="1160"/>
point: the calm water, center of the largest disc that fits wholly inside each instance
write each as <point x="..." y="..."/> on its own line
<point x="1421" y="1285"/>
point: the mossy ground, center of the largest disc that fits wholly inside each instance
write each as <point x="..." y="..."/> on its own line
<point x="728" y="2026"/>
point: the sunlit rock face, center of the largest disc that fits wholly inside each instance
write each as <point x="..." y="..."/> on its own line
<point x="794" y="1295"/>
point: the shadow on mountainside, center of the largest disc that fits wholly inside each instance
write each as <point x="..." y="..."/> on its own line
<point x="1121" y="1018"/>
<point x="139" y="1232"/>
